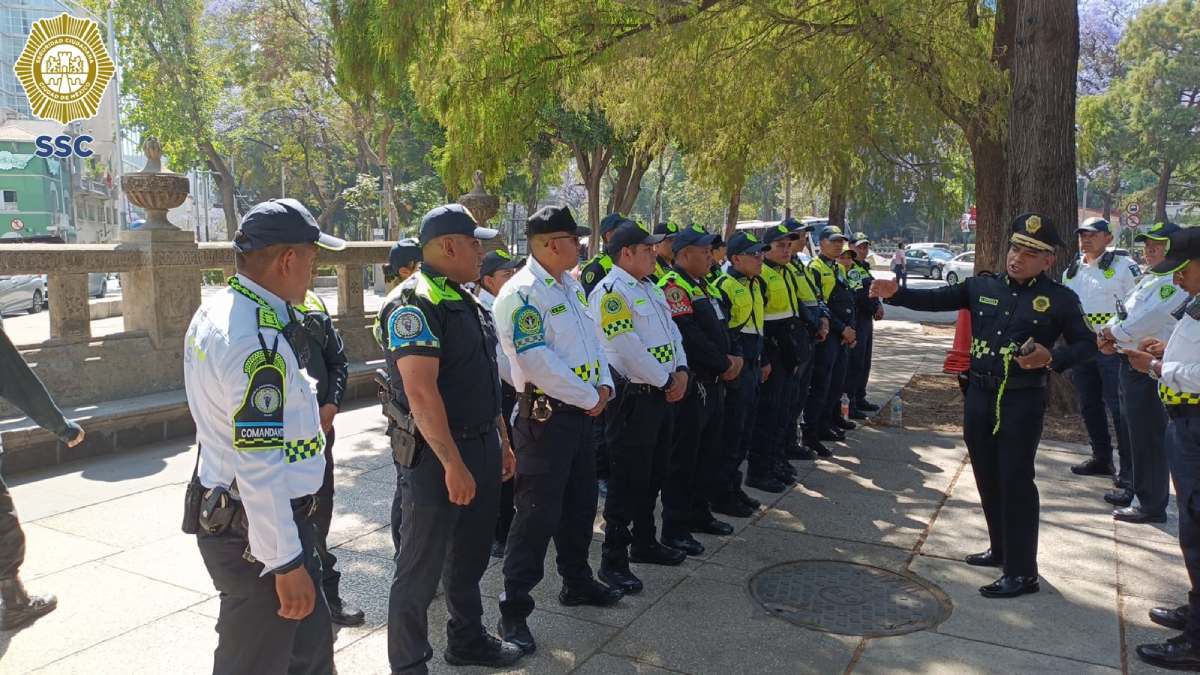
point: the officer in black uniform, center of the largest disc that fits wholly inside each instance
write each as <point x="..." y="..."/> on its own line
<point x="867" y="311"/>
<point x="664" y="254"/>
<point x="1015" y="320"/>
<point x="442" y="369"/>
<point x="402" y="261"/>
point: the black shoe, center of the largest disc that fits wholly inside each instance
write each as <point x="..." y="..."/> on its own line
<point x="785" y="469"/>
<point x="813" y="443"/>
<point x="1135" y="514"/>
<point x="345" y="615"/>
<point x="617" y="575"/>
<point x="732" y="506"/>
<point x="785" y="478"/>
<point x="858" y="414"/>
<point x="498" y="549"/>
<point x="654" y="553"/>
<point x="985" y="559"/>
<point x="684" y="543"/>
<point x="602" y="487"/>
<point x="1176" y="653"/>
<point x="832" y="435"/>
<point x="866" y="406"/>
<point x="20" y="608"/>
<point x="840" y="422"/>
<point x="1092" y="467"/>
<point x="1119" y="497"/>
<point x="490" y="652"/>
<point x="516" y="631"/>
<point x="801" y="453"/>
<point x="747" y="499"/>
<point x="590" y="592"/>
<point x="1123" y="483"/>
<point x="712" y="526"/>
<point x="765" y="483"/>
<point x="1010" y="587"/>
<point x="1175" y="618"/>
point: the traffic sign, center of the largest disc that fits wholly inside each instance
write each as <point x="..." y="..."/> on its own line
<point x="1132" y="208"/>
<point x="1134" y="220"/>
<point x="17" y="224"/>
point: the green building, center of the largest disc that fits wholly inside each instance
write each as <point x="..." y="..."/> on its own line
<point x="34" y="196"/>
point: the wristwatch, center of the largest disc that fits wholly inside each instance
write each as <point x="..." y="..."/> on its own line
<point x="1155" y="365"/>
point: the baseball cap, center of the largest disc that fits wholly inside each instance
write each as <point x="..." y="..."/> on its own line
<point x="832" y="232"/>
<point x="1033" y="230"/>
<point x="550" y="219"/>
<point x="611" y="222"/>
<point x="498" y="260"/>
<point x="1157" y="232"/>
<point x="450" y="219"/>
<point x="692" y="236"/>
<point x="745" y="243"/>
<point x="281" y="221"/>
<point x="629" y="233"/>
<point x="668" y="230"/>
<point x="796" y="226"/>
<point x="780" y="231"/>
<point x="860" y="238"/>
<point x="1184" y="247"/>
<point x="1094" y="224"/>
<point x="404" y="253"/>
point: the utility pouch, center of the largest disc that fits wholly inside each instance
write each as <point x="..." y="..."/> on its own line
<point x="191" y="506"/>
<point x="402" y="428"/>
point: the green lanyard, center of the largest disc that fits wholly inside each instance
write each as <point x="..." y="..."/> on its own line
<point x="293" y="332"/>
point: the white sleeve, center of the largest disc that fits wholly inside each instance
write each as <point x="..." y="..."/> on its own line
<point x="1147" y="317"/>
<point x="537" y="361"/>
<point x="1181" y="376"/>
<point x="624" y="347"/>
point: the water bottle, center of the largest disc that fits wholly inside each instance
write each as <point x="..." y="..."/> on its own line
<point x="897" y="417"/>
<point x="845" y="406"/>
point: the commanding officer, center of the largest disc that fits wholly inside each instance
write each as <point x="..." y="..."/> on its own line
<point x="442" y="368"/>
<point x="711" y="360"/>
<point x="1148" y="313"/>
<point x="260" y="449"/>
<point x="1015" y="320"/>
<point x="330" y="368"/>
<point x="822" y="421"/>
<point x="1100" y="278"/>
<point x="867" y="311"/>
<point x="742" y="291"/>
<point x="646" y="352"/>
<point x="563" y="384"/>
<point x="663" y="252"/>
<point x="1176" y="366"/>
<point x="402" y="261"/>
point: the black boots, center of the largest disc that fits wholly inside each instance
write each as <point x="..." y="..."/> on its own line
<point x="20" y="609"/>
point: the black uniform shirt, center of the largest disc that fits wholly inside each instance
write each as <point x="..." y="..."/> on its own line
<point x="701" y="321"/>
<point x="429" y="315"/>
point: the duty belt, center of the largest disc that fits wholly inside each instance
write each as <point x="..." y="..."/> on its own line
<point x="1170" y="397"/>
<point x="639" y="388"/>
<point x="992" y="382"/>
<point x="473" y="431"/>
<point x="1183" y="410"/>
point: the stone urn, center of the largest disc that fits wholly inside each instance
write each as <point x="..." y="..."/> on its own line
<point x="483" y="207"/>
<point x="155" y="190"/>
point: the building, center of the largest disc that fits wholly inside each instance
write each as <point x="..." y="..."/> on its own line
<point x="34" y="192"/>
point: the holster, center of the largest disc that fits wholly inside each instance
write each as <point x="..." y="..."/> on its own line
<point x="533" y="406"/>
<point x="191" y="506"/>
<point x="402" y="428"/>
<point x="219" y="511"/>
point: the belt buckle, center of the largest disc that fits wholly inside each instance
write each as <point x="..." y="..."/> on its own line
<point x="541" y="411"/>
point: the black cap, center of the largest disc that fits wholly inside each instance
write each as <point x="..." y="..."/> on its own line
<point x="1033" y="230"/>
<point x="404" y="253"/>
<point x="668" y="230"/>
<point x="629" y="233"/>
<point x="611" y="222"/>
<point x="1094" y="224"/>
<point x="1183" y="246"/>
<point x="796" y="226"/>
<point x="860" y="238"/>
<point x="550" y="219"/>
<point x="779" y="231"/>
<point x="281" y="221"/>
<point x="692" y="236"/>
<point x="744" y="243"/>
<point x="832" y="232"/>
<point x="849" y="253"/>
<point x="1157" y="232"/>
<point x="452" y="219"/>
<point x="498" y="260"/>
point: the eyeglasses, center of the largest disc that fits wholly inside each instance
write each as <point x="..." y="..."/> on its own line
<point x="575" y="237"/>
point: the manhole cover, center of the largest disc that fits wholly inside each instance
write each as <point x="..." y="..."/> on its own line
<point x="849" y="598"/>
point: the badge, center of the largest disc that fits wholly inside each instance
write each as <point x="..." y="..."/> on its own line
<point x="988" y="301"/>
<point x="1041" y="303"/>
<point x="266" y="399"/>
<point x="589" y="277"/>
<point x="582" y="298"/>
<point x="64" y="68"/>
<point x="528" y="331"/>
<point x="615" y="318"/>
<point x="1032" y="225"/>
<point x="1166" y="292"/>
<point x="1109" y="273"/>
<point x="558" y="309"/>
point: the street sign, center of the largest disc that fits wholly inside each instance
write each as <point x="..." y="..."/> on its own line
<point x="1134" y="220"/>
<point x="1132" y="208"/>
<point x="377" y="232"/>
<point x="17" y="224"/>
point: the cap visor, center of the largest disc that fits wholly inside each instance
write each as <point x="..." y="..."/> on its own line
<point x="1142" y="236"/>
<point x="1169" y="266"/>
<point x="653" y="239"/>
<point x="486" y="233"/>
<point x="582" y="231"/>
<point x="837" y="237"/>
<point x="330" y="242"/>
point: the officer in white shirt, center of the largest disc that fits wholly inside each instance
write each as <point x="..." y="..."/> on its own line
<point x="1176" y="366"/>
<point x="1147" y="313"/>
<point x="260" y="449"/>
<point x="1101" y="278"/>
<point x="645" y="349"/>
<point x="563" y="383"/>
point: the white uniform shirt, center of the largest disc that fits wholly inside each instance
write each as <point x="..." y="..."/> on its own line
<point x="1098" y="289"/>
<point x="488" y="301"/>
<point x="635" y="327"/>
<point x="1181" y="361"/>
<point x="548" y="334"/>
<point x="1149" y="307"/>
<point x="248" y="427"/>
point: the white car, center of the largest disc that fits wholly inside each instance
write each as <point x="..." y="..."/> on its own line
<point x="960" y="267"/>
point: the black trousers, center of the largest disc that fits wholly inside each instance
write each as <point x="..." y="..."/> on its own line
<point x="603" y="458"/>
<point x="640" y="426"/>
<point x="442" y="542"/>
<point x="1183" y="449"/>
<point x="694" y="456"/>
<point x="770" y="421"/>
<point x="555" y="497"/>
<point x="837" y="385"/>
<point x="508" y="402"/>
<point x="796" y="396"/>
<point x="12" y="539"/>
<point x="1098" y="388"/>
<point x="323" y="518"/>
<point x="820" y="388"/>
<point x="738" y="429"/>
<point x="251" y="637"/>
<point x="397" y="509"/>
<point x="1003" y="465"/>
<point x="858" y="372"/>
<point x="1146" y="423"/>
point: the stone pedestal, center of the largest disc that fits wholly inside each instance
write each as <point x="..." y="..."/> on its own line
<point x="161" y="296"/>
<point x="350" y="291"/>
<point x="69" y="315"/>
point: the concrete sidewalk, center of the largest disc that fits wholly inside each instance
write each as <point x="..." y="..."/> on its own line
<point x="134" y="596"/>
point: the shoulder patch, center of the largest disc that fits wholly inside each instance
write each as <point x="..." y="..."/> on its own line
<point x="528" y="330"/>
<point x="258" y="423"/>
<point x="678" y="300"/>
<point x="409" y="328"/>
<point x="615" y="318"/>
<point x="1166" y="291"/>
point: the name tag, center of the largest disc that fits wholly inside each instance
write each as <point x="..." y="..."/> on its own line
<point x="558" y="309"/>
<point x="988" y="301"/>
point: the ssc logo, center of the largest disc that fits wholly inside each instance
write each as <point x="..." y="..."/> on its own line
<point x="267" y="399"/>
<point x="408" y="324"/>
<point x="612" y="305"/>
<point x="64" y="68"/>
<point x="529" y="321"/>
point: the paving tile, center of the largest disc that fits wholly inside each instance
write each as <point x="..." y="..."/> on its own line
<point x="759" y="547"/>
<point x="1140" y="630"/>
<point x="936" y="654"/>
<point x="366" y="582"/>
<point x="126" y="522"/>
<point x="181" y="644"/>
<point x="855" y="514"/>
<point x="367" y="450"/>
<point x="185" y="567"/>
<point x="359" y="507"/>
<point x="607" y="664"/>
<point x="923" y="481"/>
<point x="48" y="551"/>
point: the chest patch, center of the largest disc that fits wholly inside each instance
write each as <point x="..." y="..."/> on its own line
<point x="1109" y="273"/>
<point x="558" y="309"/>
<point x="1041" y="303"/>
<point x="988" y="301"/>
<point x="1166" y="292"/>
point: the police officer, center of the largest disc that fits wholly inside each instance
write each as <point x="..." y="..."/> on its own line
<point x="719" y="258"/>
<point x="1100" y="277"/>
<point x="822" y="421"/>
<point x="498" y="267"/>
<point x="1015" y="320"/>
<point x="563" y="383"/>
<point x="21" y="387"/>
<point x="595" y="269"/>
<point x="402" y="261"/>
<point x="1147" y="313"/>
<point x="814" y="318"/>
<point x="867" y="311"/>
<point x="742" y="291"/>
<point x="663" y="252"/>
<point x="261" y="447"/>
<point x="442" y="368"/>
<point x="711" y="360"/>
<point x="1176" y="367"/>
<point x="330" y="368"/>
<point x="646" y="352"/>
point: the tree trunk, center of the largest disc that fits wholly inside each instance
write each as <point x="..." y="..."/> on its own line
<point x="1162" y="191"/>
<point x="664" y="168"/>
<point x="991" y="227"/>
<point x="217" y="165"/>
<point x="1114" y="190"/>
<point x="535" y="183"/>
<point x="628" y="183"/>
<point x="787" y="195"/>
<point x="731" y="215"/>
<point x="837" y="197"/>
<point x="592" y="165"/>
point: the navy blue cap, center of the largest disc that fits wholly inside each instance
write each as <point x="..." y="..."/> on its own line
<point x="450" y="219"/>
<point x="1184" y="247"/>
<point x="1094" y="224"/>
<point x="832" y="232"/>
<point x="692" y="236"/>
<point x="498" y="260"/>
<point x="860" y="238"/>
<point x="745" y="243"/>
<point x="404" y="253"/>
<point x="550" y="219"/>
<point x="794" y="225"/>
<point x="281" y="221"/>
<point x="1035" y="231"/>
<point x="1157" y="232"/>
<point x="777" y="232"/>
<point x="666" y="229"/>
<point x="629" y="233"/>
<point x="611" y="222"/>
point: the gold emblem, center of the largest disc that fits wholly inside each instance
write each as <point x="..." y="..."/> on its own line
<point x="1032" y="225"/>
<point x="64" y="68"/>
<point x="1041" y="303"/>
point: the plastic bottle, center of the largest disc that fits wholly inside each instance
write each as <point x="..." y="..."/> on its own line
<point x="897" y="416"/>
<point x="845" y="406"/>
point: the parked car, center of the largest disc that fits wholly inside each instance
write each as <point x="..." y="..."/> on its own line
<point x="960" y="267"/>
<point x="930" y="244"/>
<point x="97" y="284"/>
<point x="928" y="262"/>
<point x="22" y="293"/>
